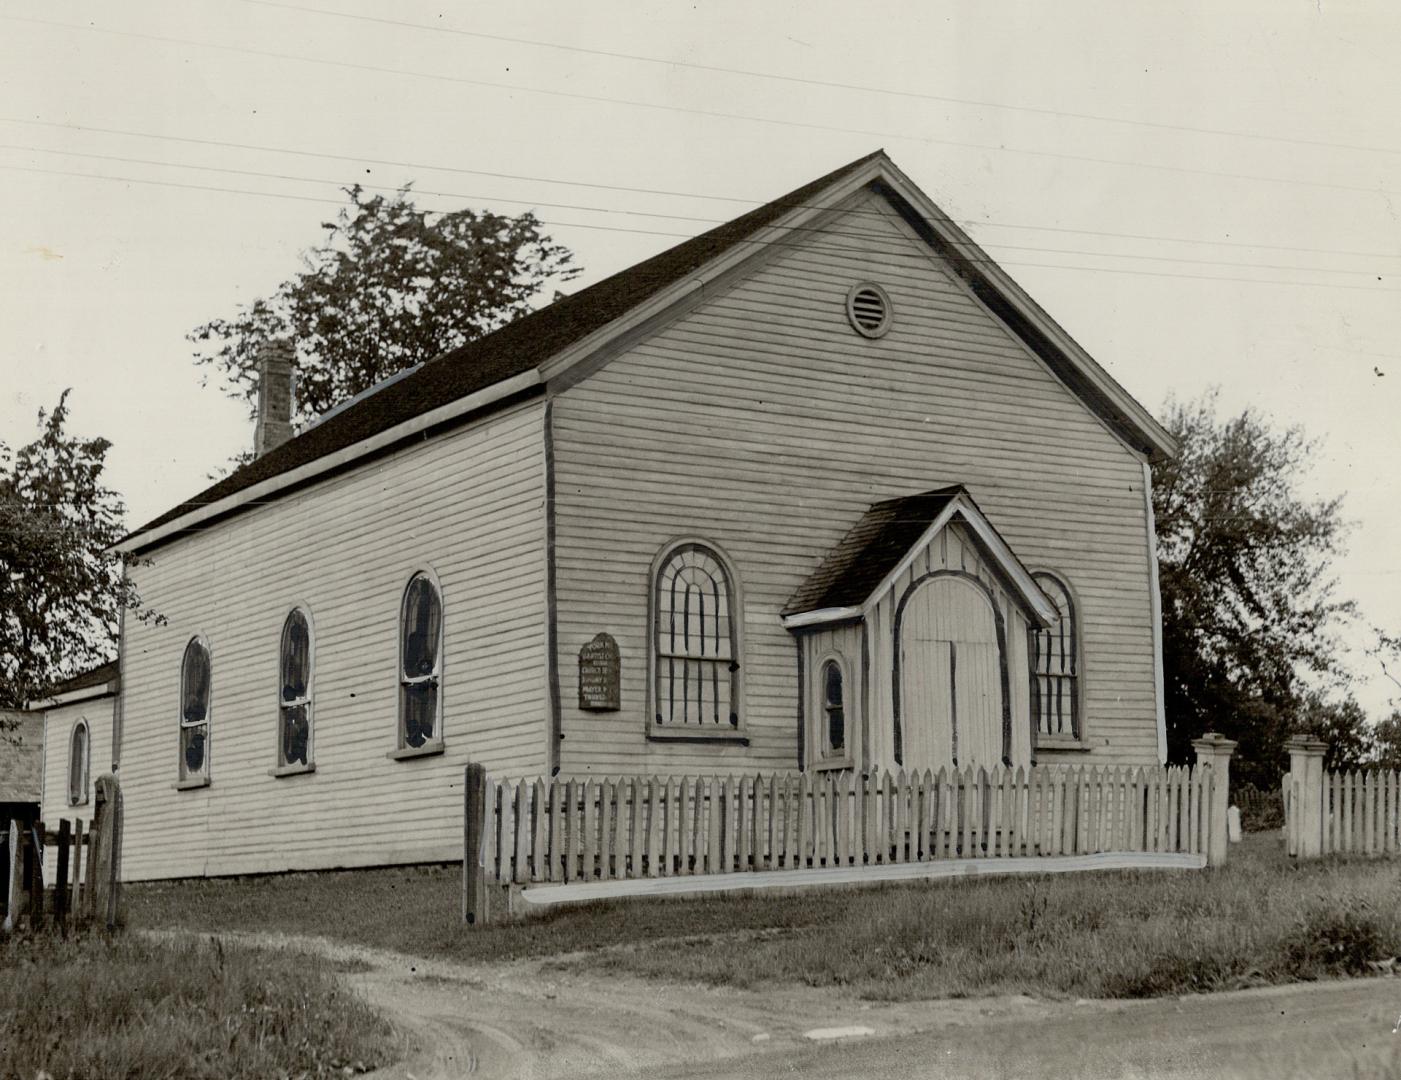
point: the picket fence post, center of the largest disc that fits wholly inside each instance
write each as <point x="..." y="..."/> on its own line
<point x="1306" y="810"/>
<point x="1215" y="750"/>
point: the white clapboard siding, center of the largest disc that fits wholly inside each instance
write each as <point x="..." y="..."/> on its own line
<point x="762" y="422"/>
<point x="469" y="506"/>
<point x="59" y="723"/>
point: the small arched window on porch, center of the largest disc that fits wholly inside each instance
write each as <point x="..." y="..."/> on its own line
<point x="78" y="756"/>
<point x="696" y="643"/>
<point x="833" y="684"/>
<point x="1055" y="680"/>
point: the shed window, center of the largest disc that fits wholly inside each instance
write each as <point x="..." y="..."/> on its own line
<point x="420" y="659"/>
<point x="294" y="699"/>
<point x="834" y="707"/>
<point x="194" y="710"/>
<point x="78" y="756"/>
<point x="697" y="651"/>
<point x="1055" y="684"/>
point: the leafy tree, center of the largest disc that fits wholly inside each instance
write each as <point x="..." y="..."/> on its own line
<point x="60" y="593"/>
<point x="1386" y="741"/>
<point x="1249" y="616"/>
<point x="389" y="287"/>
<point x="1342" y="724"/>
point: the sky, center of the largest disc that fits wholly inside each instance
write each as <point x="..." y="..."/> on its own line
<point x="1202" y="194"/>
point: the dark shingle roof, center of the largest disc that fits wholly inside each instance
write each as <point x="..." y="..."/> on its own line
<point x="514" y="349"/>
<point x="97" y="676"/>
<point x="876" y="543"/>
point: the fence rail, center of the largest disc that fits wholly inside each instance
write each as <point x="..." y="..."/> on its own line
<point x="534" y="831"/>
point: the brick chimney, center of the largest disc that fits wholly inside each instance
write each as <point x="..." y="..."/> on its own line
<point x="274" y="423"/>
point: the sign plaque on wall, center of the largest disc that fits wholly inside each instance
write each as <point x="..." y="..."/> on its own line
<point x="599" y="675"/>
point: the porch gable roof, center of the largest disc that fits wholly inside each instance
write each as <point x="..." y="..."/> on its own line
<point x="877" y="549"/>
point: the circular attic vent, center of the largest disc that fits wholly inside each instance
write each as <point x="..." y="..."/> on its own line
<point x="868" y="308"/>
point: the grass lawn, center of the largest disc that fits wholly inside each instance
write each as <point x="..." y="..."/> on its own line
<point x="1262" y="919"/>
<point x="89" y="1005"/>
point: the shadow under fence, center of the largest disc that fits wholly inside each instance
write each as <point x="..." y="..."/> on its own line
<point x="87" y="881"/>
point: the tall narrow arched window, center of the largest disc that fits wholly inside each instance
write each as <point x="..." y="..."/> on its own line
<point x="79" y="751"/>
<point x="833" y="709"/>
<point x="294" y="696"/>
<point x="194" y="711"/>
<point x="420" y="664"/>
<point x="1055" y="678"/>
<point x="695" y="644"/>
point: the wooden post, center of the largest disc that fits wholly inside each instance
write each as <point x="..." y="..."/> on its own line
<point x="1306" y="804"/>
<point x="16" y="877"/>
<point x="75" y="898"/>
<point x="36" y="873"/>
<point x="1215" y="750"/>
<point x="65" y="836"/>
<point x="474" y="892"/>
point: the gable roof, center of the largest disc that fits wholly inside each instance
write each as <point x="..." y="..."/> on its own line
<point x="505" y="364"/>
<point x="101" y="681"/>
<point x="856" y="572"/>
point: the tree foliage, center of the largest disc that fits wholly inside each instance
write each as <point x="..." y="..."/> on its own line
<point x="1249" y="615"/>
<point x="390" y="286"/>
<point x="60" y="594"/>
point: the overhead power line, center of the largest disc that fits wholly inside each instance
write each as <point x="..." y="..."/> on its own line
<point x="827" y="83"/>
<point x="671" y="193"/>
<point x="710" y="113"/>
<point x="675" y="235"/>
<point x="709" y="221"/>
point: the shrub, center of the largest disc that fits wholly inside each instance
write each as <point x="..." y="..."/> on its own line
<point x="1336" y="938"/>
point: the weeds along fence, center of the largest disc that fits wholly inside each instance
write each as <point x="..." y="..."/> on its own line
<point x="533" y="831"/>
<point x="1260" y="810"/>
<point x="87" y="880"/>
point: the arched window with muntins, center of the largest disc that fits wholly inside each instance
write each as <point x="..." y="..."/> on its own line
<point x="78" y="756"/>
<point x="1055" y="682"/>
<point x="194" y="710"/>
<point x="420" y="663"/>
<point x="294" y="694"/>
<point x="696" y="644"/>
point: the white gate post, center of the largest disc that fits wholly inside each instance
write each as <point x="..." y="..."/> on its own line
<point x="1306" y="796"/>
<point x="1215" y="750"/>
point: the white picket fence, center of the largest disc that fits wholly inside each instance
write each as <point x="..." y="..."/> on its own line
<point x="571" y="830"/>
<point x="1349" y="812"/>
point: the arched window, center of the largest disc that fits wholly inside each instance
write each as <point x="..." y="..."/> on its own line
<point x="420" y="663"/>
<point x="696" y="643"/>
<point x="1055" y="681"/>
<point x="834" y="708"/>
<point x="78" y="755"/>
<point x="194" y="711"/>
<point x="294" y="697"/>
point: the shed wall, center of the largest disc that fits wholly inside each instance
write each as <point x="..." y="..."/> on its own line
<point x="59" y="723"/>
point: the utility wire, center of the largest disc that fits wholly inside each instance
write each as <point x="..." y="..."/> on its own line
<point x="390" y="163"/>
<point x="654" y="232"/>
<point x="323" y="181"/>
<point x="799" y="80"/>
<point x="710" y="113"/>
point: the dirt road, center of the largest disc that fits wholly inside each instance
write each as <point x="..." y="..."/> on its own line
<point x="529" y="1019"/>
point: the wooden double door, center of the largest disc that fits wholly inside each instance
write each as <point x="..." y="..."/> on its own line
<point x="952" y="683"/>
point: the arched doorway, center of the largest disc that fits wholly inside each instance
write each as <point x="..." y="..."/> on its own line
<point x="951" y="689"/>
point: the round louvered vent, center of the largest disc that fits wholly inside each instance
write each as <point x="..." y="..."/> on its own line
<point x="868" y="308"/>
